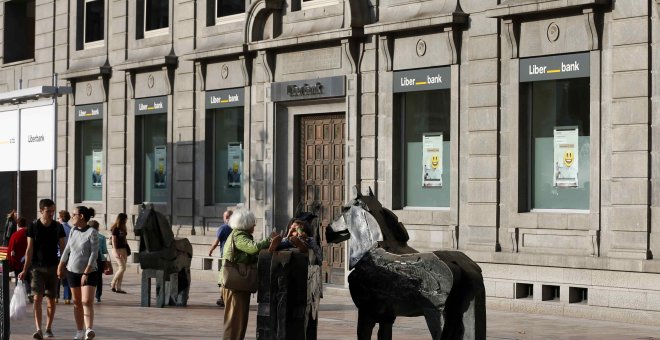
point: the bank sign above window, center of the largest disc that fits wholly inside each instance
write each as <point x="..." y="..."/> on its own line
<point x="308" y="89"/>
<point x="437" y="78"/>
<point x="89" y="112"/>
<point x="554" y="67"/>
<point x="225" y="98"/>
<point x="151" y="105"/>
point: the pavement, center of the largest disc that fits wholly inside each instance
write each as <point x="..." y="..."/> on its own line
<point x="119" y="316"/>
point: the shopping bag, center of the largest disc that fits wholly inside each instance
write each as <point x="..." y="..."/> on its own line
<point x="18" y="304"/>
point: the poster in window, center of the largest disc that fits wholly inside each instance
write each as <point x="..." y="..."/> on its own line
<point x="234" y="164"/>
<point x="160" y="166"/>
<point x="565" y="156"/>
<point x="432" y="159"/>
<point x="97" y="168"/>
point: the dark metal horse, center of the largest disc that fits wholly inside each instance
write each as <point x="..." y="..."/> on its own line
<point x="163" y="257"/>
<point x="391" y="279"/>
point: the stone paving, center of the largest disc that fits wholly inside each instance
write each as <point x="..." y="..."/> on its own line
<point x="120" y="316"/>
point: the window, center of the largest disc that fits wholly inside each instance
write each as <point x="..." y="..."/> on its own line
<point x="18" y="42"/>
<point x="89" y="160"/>
<point x="90" y="25"/>
<point x="555" y="144"/>
<point x="224" y="11"/>
<point x="224" y="129"/>
<point x="423" y="143"/>
<point x="93" y="20"/>
<point x="151" y="158"/>
<point x="153" y="17"/>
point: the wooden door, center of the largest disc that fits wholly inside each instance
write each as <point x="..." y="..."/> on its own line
<point x="322" y="181"/>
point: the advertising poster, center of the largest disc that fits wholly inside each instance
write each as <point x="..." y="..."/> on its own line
<point x="97" y="168"/>
<point x="160" y="166"/>
<point x="565" y="156"/>
<point x="9" y="140"/>
<point x="234" y="164"/>
<point x="37" y="142"/>
<point x="432" y="159"/>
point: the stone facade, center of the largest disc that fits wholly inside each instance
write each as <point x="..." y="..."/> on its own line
<point x="598" y="262"/>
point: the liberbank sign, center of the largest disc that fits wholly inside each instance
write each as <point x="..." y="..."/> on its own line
<point x="36" y="138"/>
<point x="437" y="78"/>
<point x="565" y="66"/>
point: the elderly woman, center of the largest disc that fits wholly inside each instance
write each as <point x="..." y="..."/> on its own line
<point x="240" y="247"/>
<point x="79" y="257"/>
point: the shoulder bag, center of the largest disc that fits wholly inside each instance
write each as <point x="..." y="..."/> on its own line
<point x="241" y="277"/>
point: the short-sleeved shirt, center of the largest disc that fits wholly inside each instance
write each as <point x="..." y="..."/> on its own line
<point x="120" y="238"/>
<point x="45" y="242"/>
<point x="222" y="234"/>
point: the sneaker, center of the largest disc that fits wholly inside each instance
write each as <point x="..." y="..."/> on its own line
<point x="121" y="291"/>
<point x="49" y="333"/>
<point x="80" y="335"/>
<point x="220" y="302"/>
<point x="67" y="302"/>
<point x="89" y="334"/>
<point x="38" y="334"/>
<point x="98" y="300"/>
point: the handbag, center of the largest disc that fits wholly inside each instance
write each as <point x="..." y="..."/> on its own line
<point x="241" y="277"/>
<point x="107" y="268"/>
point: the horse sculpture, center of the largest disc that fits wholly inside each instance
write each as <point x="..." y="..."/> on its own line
<point x="391" y="279"/>
<point x="164" y="258"/>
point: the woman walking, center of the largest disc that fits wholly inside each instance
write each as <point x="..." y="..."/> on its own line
<point x="240" y="247"/>
<point x="120" y="245"/>
<point x="79" y="258"/>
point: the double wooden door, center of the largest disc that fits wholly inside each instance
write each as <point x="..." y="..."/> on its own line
<point x="322" y="181"/>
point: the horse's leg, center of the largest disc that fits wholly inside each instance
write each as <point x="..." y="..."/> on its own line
<point x="366" y="325"/>
<point x="434" y="322"/>
<point x="385" y="329"/>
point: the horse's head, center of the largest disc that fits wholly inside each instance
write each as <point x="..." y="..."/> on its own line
<point x="153" y="228"/>
<point x="368" y="224"/>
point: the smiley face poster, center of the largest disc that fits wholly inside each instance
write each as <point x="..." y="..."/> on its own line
<point x="432" y="159"/>
<point x="565" y="156"/>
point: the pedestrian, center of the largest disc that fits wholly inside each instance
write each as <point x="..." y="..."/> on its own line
<point x="10" y="226"/>
<point x="64" y="218"/>
<point x="220" y="238"/>
<point x="120" y="245"/>
<point x="79" y="258"/>
<point x="243" y="250"/>
<point x="44" y="235"/>
<point x="100" y="262"/>
<point x="16" y="251"/>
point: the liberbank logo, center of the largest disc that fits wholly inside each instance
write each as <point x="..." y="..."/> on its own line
<point x="88" y="113"/>
<point x="573" y="67"/>
<point x="154" y="106"/>
<point x="554" y="67"/>
<point x="405" y="81"/>
<point x="229" y="99"/>
<point x="224" y="98"/>
<point x="437" y="78"/>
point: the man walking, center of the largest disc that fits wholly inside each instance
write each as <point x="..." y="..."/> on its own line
<point x="220" y="237"/>
<point x="44" y="236"/>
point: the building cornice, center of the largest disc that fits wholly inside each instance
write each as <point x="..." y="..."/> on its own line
<point x="513" y="8"/>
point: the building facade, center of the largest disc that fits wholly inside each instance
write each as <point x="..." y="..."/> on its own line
<point x="518" y="131"/>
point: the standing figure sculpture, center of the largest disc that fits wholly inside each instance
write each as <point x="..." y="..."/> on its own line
<point x="390" y="279"/>
<point x="163" y="257"/>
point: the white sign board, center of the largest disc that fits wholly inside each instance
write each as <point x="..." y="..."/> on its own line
<point x="37" y="138"/>
<point x="565" y="156"/>
<point x="9" y="140"/>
